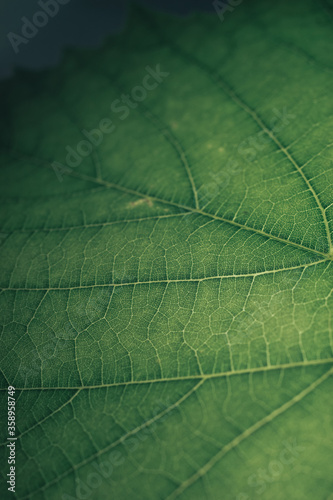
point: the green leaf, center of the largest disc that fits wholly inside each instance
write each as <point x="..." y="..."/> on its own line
<point x="167" y="302"/>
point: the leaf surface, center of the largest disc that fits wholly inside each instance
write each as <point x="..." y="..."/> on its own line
<point x="167" y="307"/>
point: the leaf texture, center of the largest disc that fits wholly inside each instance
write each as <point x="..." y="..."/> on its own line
<point x="167" y="304"/>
